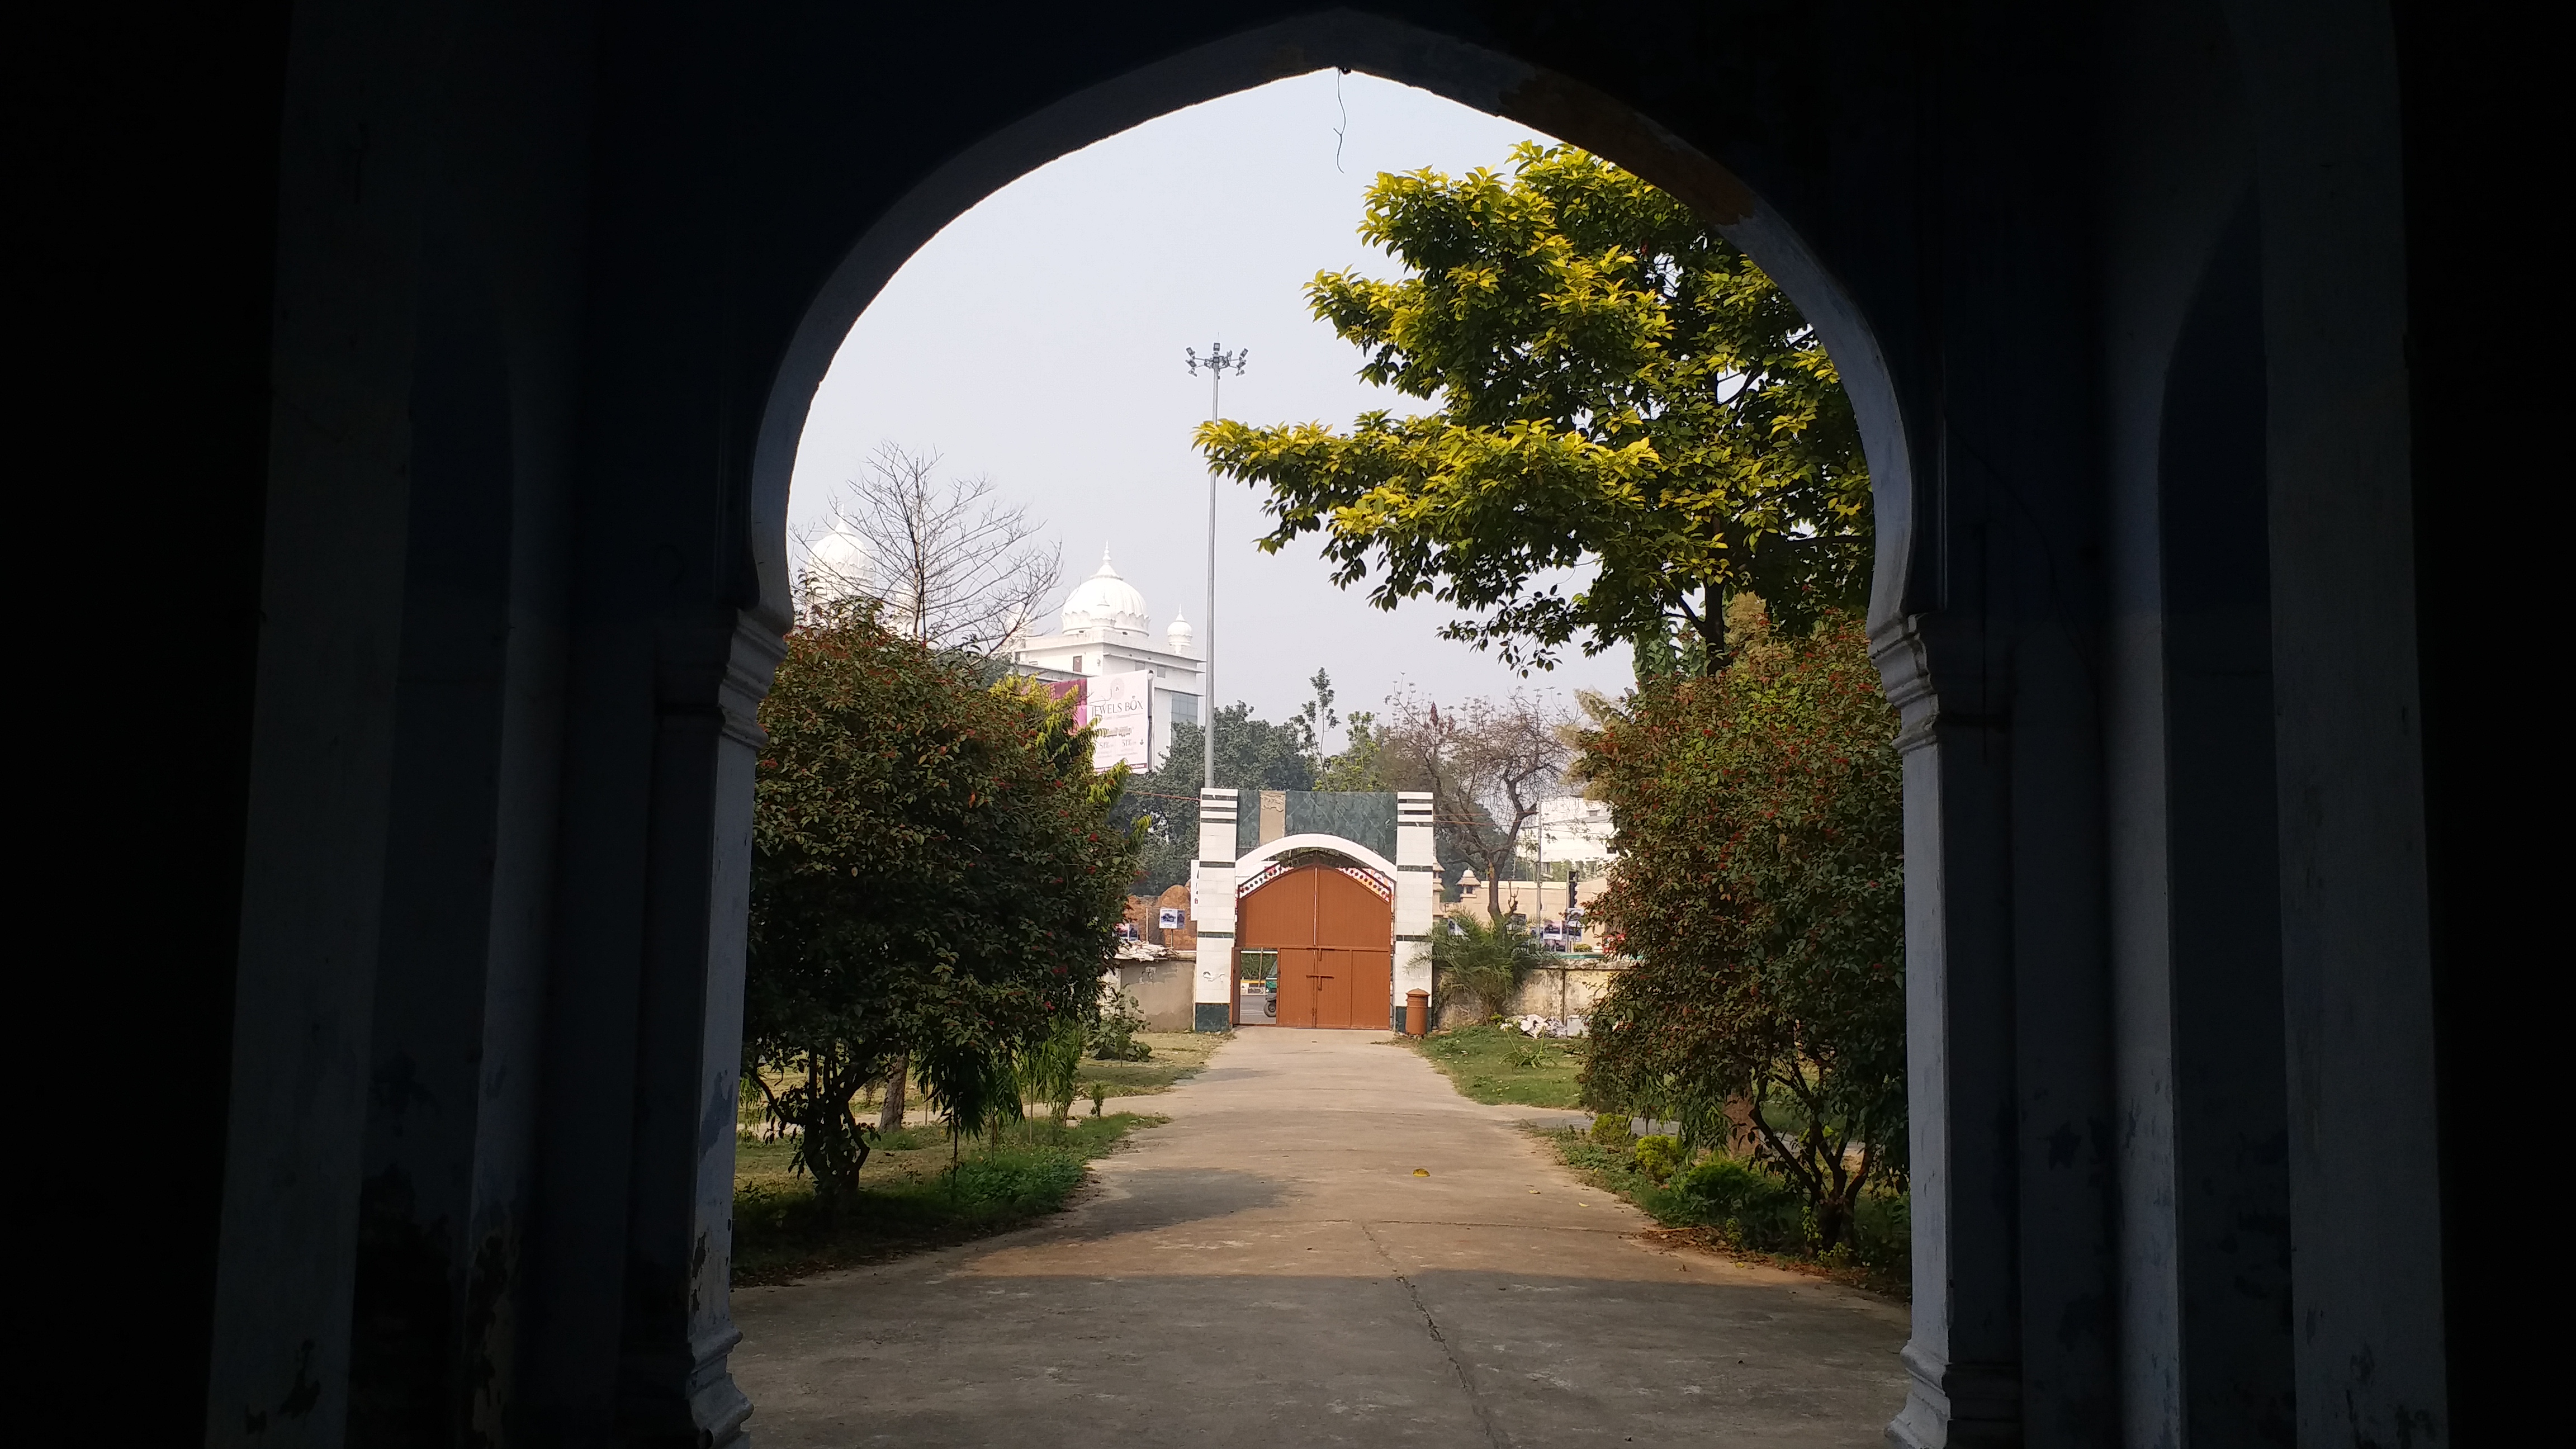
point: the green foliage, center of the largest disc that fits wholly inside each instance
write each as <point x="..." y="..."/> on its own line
<point x="1754" y="1208"/>
<point x="1496" y="1064"/>
<point x="1048" y="1070"/>
<point x="1113" y="1036"/>
<point x="1361" y="766"/>
<point x="1657" y="1157"/>
<point x="1748" y="1208"/>
<point x="1760" y="888"/>
<point x="1482" y="962"/>
<point x="1882" y="1236"/>
<point x="1315" y="717"/>
<point x="1614" y="1130"/>
<point x="976" y="1093"/>
<point x="1617" y="386"/>
<point x="933" y="873"/>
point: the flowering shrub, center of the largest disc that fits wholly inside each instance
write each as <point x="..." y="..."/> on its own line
<point x="1760" y="889"/>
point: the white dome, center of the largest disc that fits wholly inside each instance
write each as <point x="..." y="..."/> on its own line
<point x="1180" y="634"/>
<point x="1104" y="601"/>
<point x="836" y="562"/>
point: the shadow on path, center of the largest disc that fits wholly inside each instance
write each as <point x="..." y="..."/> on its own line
<point x="1324" y="1246"/>
<point x="1143" y="1199"/>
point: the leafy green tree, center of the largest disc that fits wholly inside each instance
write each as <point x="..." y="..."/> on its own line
<point x="1162" y="806"/>
<point x="1760" y="887"/>
<point x="934" y="873"/>
<point x="1617" y="387"/>
<point x="1251" y="754"/>
<point x="1315" y="717"/>
<point x="1361" y="765"/>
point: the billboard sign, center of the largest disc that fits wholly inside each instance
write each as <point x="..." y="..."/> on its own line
<point x="1120" y="707"/>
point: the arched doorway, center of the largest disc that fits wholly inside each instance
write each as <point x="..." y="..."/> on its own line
<point x="659" y="199"/>
<point x="1326" y="936"/>
<point x="1304" y="926"/>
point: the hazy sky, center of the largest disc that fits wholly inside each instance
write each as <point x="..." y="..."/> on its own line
<point x="1038" y="341"/>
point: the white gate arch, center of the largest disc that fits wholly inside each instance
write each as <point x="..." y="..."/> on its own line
<point x="1218" y="876"/>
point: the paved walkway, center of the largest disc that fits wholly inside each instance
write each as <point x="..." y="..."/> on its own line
<point x="1269" y="1269"/>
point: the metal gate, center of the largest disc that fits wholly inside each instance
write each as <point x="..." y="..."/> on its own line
<point x="1334" y="939"/>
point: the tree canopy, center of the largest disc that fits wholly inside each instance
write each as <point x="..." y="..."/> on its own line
<point x="934" y="872"/>
<point x="1618" y="388"/>
<point x="1760" y="887"/>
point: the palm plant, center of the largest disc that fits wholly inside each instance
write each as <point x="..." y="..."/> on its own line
<point x="1483" y="962"/>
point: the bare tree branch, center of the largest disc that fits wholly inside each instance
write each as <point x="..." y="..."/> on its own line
<point x="1488" y="765"/>
<point x="946" y="563"/>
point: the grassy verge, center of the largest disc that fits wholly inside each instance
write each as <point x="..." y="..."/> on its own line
<point x="1178" y="1055"/>
<point x="909" y="1200"/>
<point x="1767" y="1226"/>
<point x="1496" y="1065"/>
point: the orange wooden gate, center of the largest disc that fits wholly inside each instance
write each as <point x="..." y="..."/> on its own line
<point x="1336" y="943"/>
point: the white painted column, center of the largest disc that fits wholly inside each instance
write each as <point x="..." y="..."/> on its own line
<point x="1212" y="908"/>
<point x="1417" y="882"/>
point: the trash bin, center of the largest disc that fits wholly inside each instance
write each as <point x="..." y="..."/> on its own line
<point x="1417" y="1013"/>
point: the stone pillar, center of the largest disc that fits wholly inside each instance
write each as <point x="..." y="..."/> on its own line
<point x="1212" y="906"/>
<point x="673" y="1384"/>
<point x="1963" y="1359"/>
<point x="1417" y="879"/>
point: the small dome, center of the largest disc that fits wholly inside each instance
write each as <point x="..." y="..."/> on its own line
<point x="1179" y="635"/>
<point x="1104" y="601"/>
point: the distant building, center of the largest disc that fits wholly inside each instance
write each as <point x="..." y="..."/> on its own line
<point x="1107" y="632"/>
<point x="1575" y="830"/>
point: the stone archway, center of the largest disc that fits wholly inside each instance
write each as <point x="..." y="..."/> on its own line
<point x="653" y="222"/>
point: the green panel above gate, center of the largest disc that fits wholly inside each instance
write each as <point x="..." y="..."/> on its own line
<point x="1363" y="817"/>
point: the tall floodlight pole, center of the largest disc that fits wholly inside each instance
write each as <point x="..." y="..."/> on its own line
<point x="1216" y="362"/>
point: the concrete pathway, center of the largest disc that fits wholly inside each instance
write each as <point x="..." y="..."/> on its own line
<point x="1270" y="1269"/>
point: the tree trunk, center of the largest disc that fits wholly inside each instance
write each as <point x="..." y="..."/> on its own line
<point x="1712" y="635"/>
<point x="892" y="1117"/>
<point x="1833" y="1219"/>
<point x="1739" y="1129"/>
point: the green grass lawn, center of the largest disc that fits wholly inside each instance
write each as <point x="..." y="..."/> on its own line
<point x="909" y="1198"/>
<point x="1495" y="1064"/>
<point x="1178" y="1055"/>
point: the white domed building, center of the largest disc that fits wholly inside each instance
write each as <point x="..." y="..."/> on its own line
<point x="1108" y="630"/>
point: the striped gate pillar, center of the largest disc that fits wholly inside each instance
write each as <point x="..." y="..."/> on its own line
<point x="1417" y="884"/>
<point x="1212" y="907"/>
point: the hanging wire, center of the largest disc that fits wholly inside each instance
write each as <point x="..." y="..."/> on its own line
<point x="1342" y="131"/>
